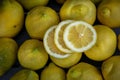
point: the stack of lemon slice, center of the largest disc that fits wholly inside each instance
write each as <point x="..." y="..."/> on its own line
<point x="69" y="36"/>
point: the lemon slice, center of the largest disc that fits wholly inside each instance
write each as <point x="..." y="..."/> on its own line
<point x="50" y="46"/>
<point x="59" y="36"/>
<point x="79" y="36"/>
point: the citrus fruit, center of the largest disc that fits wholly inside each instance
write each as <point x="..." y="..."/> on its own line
<point x="105" y="45"/>
<point x="11" y="18"/>
<point x="59" y="31"/>
<point x="78" y="10"/>
<point x="79" y="36"/>
<point x="50" y="46"/>
<point x="8" y="52"/>
<point x="52" y="72"/>
<point x="29" y="4"/>
<point x="32" y="54"/>
<point x="83" y="71"/>
<point x="108" y="13"/>
<point x="25" y="74"/>
<point x="119" y="42"/>
<point x="71" y="60"/>
<point x="110" y="68"/>
<point x="39" y="19"/>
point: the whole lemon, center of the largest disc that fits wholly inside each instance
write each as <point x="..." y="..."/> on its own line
<point x="110" y="68"/>
<point x="8" y="54"/>
<point x="83" y="71"/>
<point x="105" y="45"/>
<point x="32" y="54"/>
<point x="11" y="18"/>
<point x="108" y="13"/>
<point x="39" y="19"/>
<point x="78" y="10"/>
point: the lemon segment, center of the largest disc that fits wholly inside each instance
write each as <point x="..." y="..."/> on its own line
<point x="79" y="36"/>
<point x="50" y="45"/>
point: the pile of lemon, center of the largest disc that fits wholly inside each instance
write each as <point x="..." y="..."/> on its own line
<point x="59" y="39"/>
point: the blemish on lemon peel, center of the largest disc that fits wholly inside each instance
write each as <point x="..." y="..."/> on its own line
<point x="106" y="12"/>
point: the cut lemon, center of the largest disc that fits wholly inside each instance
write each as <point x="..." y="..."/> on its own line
<point x="79" y="36"/>
<point x="50" y="46"/>
<point x="59" y="36"/>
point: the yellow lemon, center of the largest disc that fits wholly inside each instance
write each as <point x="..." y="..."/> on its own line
<point x="8" y="54"/>
<point x="105" y="45"/>
<point x="110" y="68"/>
<point x="52" y="72"/>
<point x="108" y="13"/>
<point x="32" y="54"/>
<point x="83" y="71"/>
<point x="11" y="18"/>
<point x="84" y="10"/>
<point x="39" y="19"/>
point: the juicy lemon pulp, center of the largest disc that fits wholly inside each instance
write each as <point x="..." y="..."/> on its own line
<point x="68" y="37"/>
<point x="79" y="36"/>
<point x="50" y="45"/>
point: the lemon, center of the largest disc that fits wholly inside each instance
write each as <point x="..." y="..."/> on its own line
<point x="108" y="13"/>
<point x="32" y="54"/>
<point x="8" y="54"/>
<point x="39" y="19"/>
<point x="79" y="36"/>
<point x="71" y="60"/>
<point x="25" y="74"/>
<point x="105" y="45"/>
<point x="83" y="71"/>
<point x="59" y="31"/>
<point x="52" y="72"/>
<point x="84" y="10"/>
<point x="110" y="68"/>
<point x="119" y="42"/>
<point x="50" y="46"/>
<point x="29" y="4"/>
<point x="11" y="18"/>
